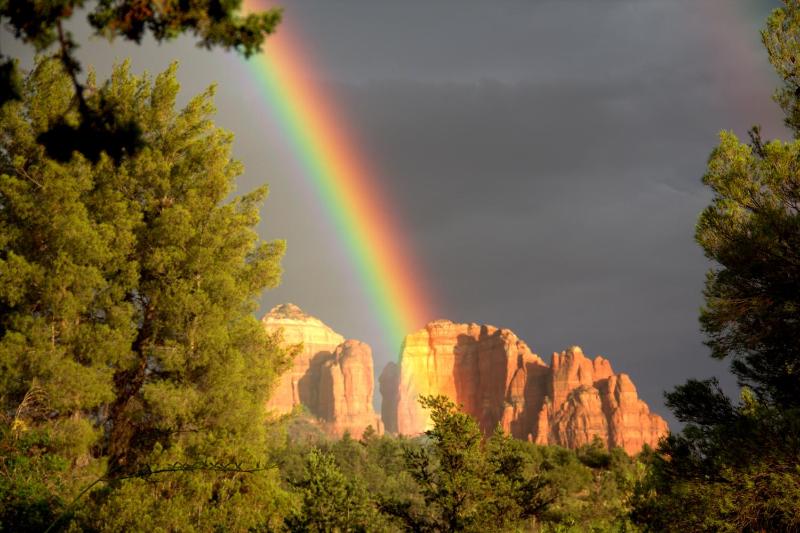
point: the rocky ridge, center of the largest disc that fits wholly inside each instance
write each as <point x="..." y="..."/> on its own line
<point x="332" y="377"/>
<point x="489" y="370"/>
<point x="498" y="380"/>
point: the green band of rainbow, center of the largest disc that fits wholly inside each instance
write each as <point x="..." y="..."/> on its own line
<point x="343" y="182"/>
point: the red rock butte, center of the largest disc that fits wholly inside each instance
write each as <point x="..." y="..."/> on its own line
<point x="499" y="380"/>
<point x="332" y="377"/>
<point x="492" y="373"/>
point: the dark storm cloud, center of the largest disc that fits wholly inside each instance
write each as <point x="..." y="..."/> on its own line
<point x="562" y="211"/>
<point x="364" y="40"/>
<point x="545" y="157"/>
<point x="556" y="190"/>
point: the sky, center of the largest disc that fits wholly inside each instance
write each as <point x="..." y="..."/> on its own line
<point x="544" y="159"/>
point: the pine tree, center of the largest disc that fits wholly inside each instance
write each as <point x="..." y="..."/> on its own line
<point x="736" y="465"/>
<point x="97" y="127"/>
<point x="330" y="501"/>
<point x="127" y="298"/>
<point x="466" y="484"/>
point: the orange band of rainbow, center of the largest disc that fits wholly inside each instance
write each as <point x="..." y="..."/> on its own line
<point x="344" y="183"/>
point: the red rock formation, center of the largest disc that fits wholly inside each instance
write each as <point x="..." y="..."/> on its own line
<point x="346" y="388"/>
<point x="498" y="380"/>
<point x="331" y="377"/>
<point x="488" y="370"/>
<point x="632" y="424"/>
<point x="603" y="404"/>
<point x="300" y="383"/>
<point x="579" y="419"/>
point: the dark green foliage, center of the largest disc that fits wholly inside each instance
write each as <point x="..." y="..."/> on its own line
<point x="592" y="487"/>
<point x="99" y="131"/>
<point x="330" y="501"/>
<point x="736" y="465"/>
<point x="30" y="471"/>
<point x="520" y="492"/>
<point x="10" y="83"/>
<point x="521" y="486"/>
<point x="752" y="232"/>
<point x="742" y="474"/>
<point x="98" y="128"/>
<point x="595" y="455"/>
<point x="213" y="22"/>
<point x="701" y="403"/>
<point x="451" y="473"/>
<point x="372" y="468"/>
<point x="779" y="38"/>
<point x="127" y="336"/>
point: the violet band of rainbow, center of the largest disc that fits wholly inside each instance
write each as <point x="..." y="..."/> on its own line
<point x="344" y="183"/>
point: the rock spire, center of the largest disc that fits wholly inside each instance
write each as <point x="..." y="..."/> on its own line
<point x="499" y="380"/>
<point x="330" y="376"/>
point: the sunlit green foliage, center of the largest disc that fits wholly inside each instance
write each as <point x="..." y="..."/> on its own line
<point x="451" y="474"/>
<point x="752" y="232"/>
<point x="780" y="40"/>
<point x="128" y="295"/>
<point x="466" y="483"/>
<point x="593" y="486"/>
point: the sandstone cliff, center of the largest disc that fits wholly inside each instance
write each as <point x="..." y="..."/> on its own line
<point x="331" y="377"/>
<point x="346" y="389"/>
<point x="498" y="380"/>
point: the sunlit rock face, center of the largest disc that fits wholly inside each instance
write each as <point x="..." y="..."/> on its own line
<point x="300" y="383"/>
<point x="631" y="423"/>
<point x="498" y="380"/>
<point x="489" y="370"/>
<point x="331" y="377"/>
<point x="346" y="389"/>
<point x="592" y="400"/>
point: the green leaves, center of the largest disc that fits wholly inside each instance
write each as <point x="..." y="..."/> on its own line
<point x="734" y="466"/>
<point x="214" y="22"/>
<point x="127" y="294"/>
<point x="466" y="484"/>
<point x="752" y="231"/>
<point x="100" y="127"/>
<point x="780" y="39"/>
<point x="330" y="501"/>
<point x="503" y="484"/>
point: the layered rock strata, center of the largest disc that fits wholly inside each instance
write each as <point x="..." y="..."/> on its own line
<point x="346" y="389"/>
<point x="332" y="377"/>
<point x="499" y="380"/>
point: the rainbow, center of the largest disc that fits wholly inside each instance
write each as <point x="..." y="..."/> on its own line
<point x="344" y="183"/>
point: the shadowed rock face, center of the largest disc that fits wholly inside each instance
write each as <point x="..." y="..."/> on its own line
<point x="388" y="387"/>
<point x="498" y="380"/>
<point x="331" y="377"/>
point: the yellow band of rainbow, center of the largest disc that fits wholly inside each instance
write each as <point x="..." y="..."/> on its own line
<point x="343" y="180"/>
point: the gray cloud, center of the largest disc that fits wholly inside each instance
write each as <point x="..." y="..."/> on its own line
<point x="544" y="156"/>
<point x="547" y="157"/>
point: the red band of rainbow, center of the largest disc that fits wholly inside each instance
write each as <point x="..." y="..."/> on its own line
<point x="343" y="180"/>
